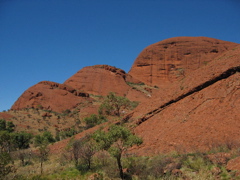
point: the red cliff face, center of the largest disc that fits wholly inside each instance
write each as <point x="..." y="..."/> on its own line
<point x="175" y="58"/>
<point x="50" y="95"/>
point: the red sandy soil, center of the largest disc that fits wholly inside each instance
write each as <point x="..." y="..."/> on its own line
<point x="5" y="115"/>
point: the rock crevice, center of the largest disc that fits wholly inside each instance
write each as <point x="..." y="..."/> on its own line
<point x="222" y="76"/>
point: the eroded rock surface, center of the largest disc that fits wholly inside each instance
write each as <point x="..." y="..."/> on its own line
<point x="202" y="114"/>
<point x="172" y="59"/>
<point x="51" y="96"/>
<point x="102" y="79"/>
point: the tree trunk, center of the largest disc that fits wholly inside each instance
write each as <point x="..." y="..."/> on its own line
<point x="89" y="164"/>
<point x="120" y="166"/>
<point x="41" y="167"/>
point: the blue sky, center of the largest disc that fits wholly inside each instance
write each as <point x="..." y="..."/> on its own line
<point x="53" y="39"/>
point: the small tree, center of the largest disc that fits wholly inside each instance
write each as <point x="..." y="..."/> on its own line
<point x="113" y="104"/>
<point x="84" y="149"/>
<point x="23" y="155"/>
<point x="5" y="167"/>
<point x="46" y="137"/>
<point x="2" y="125"/>
<point x="22" y="140"/>
<point x="6" y="145"/>
<point x="43" y="154"/>
<point x="10" y="141"/>
<point x="42" y="143"/>
<point x="5" y="141"/>
<point x="10" y="126"/>
<point x="6" y="126"/>
<point x="5" y="158"/>
<point x="116" y="141"/>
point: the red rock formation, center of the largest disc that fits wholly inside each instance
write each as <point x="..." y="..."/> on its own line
<point x="197" y="110"/>
<point x="202" y="114"/>
<point x="99" y="80"/>
<point x="192" y="113"/>
<point x="234" y="165"/>
<point x="50" y="95"/>
<point x="172" y="59"/>
<point x="102" y="79"/>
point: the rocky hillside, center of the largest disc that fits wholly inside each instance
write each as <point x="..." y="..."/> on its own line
<point x="195" y="112"/>
<point x="188" y="86"/>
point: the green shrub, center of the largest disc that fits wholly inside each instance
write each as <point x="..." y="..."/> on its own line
<point x="114" y="105"/>
<point x="94" y="120"/>
<point x="5" y="167"/>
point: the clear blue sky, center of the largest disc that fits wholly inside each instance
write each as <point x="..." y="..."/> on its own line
<point x="53" y="39"/>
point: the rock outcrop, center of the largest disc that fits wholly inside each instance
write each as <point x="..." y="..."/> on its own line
<point x="95" y="80"/>
<point x="102" y="79"/>
<point x="99" y="80"/>
<point x="50" y="96"/>
<point x="172" y="59"/>
<point x="197" y="112"/>
<point x="195" y="107"/>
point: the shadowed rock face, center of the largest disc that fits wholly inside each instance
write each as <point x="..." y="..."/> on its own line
<point x="175" y="58"/>
<point x="50" y="95"/>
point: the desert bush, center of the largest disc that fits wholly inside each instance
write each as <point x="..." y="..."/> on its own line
<point x="5" y="164"/>
<point x="137" y="166"/>
<point x="108" y="166"/>
<point x="66" y="133"/>
<point x="6" y="126"/>
<point x="101" y="159"/>
<point x="116" y="141"/>
<point x="113" y="105"/>
<point x="84" y="149"/>
<point x="45" y="137"/>
<point x="25" y="156"/>
<point x="157" y="166"/>
<point x="94" y="120"/>
<point x="134" y="104"/>
<point x="66" y="156"/>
